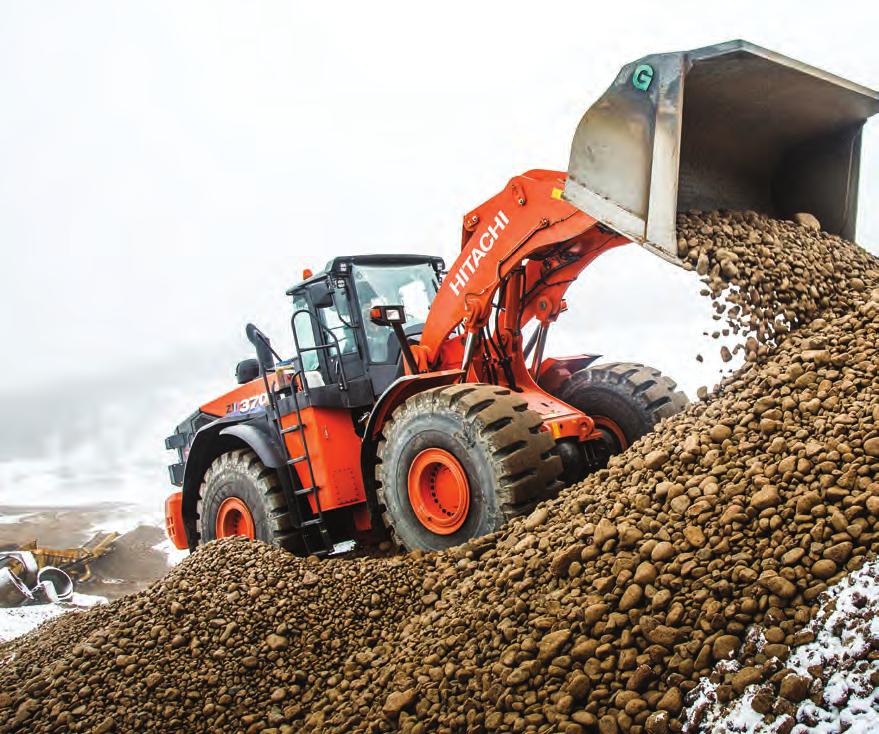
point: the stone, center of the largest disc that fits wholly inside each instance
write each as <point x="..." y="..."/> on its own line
<point x="277" y="642"/>
<point x="794" y="687"/>
<point x="397" y="701"/>
<point x="745" y="677"/>
<point x="765" y="498"/>
<point x="662" y="551"/>
<point x="671" y="701"/>
<point x="724" y="647"/>
<point x="551" y="645"/>
<point x="807" y="220"/>
<point x="656" y="459"/>
<point x="823" y="569"/>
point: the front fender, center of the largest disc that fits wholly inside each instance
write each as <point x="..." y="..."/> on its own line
<point x="224" y="434"/>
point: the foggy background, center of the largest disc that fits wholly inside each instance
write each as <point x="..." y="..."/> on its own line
<point x="167" y="170"/>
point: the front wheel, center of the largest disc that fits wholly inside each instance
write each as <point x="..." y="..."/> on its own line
<point x="458" y="462"/>
<point x="240" y="496"/>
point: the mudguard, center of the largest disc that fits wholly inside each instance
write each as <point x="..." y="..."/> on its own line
<point x="224" y="434"/>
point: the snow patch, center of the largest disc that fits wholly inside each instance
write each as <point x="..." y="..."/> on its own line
<point x="18" y="621"/>
<point x="846" y="629"/>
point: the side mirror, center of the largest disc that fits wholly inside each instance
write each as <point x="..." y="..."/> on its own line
<point x="321" y="295"/>
<point x="395" y="317"/>
<point x="247" y="370"/>
<point x="387" y="315"/>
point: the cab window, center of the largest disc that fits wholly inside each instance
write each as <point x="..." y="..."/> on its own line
<point x="412" y="286"/>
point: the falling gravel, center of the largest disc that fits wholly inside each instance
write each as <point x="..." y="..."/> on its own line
<point x="601" y="611"/>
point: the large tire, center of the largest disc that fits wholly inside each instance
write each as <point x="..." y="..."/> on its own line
<point x="625" y="399"/>
<point x="493" y="439"/>
<point x="239" y="479"/>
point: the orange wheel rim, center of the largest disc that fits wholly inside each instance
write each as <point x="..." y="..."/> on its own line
<point x="439" y="491"/>
<point x="234" y="519"/>
<point x="608" y="426"/>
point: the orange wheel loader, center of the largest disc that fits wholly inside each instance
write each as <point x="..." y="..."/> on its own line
<point x="419" y="402"/>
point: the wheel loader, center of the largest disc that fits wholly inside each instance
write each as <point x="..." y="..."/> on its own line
<point x="418" y="402"/>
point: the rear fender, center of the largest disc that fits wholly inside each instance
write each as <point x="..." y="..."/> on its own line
<point x="555" y="371"/>
<point x="208" y="443"/>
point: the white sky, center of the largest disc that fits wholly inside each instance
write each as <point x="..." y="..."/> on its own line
<point x="168" y="169"/>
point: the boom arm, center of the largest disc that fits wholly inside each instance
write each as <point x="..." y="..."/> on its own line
<point x="526" y="242"/>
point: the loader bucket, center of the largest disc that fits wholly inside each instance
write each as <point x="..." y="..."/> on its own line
<point x="730" y="126"/>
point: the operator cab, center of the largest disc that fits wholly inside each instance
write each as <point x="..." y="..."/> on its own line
<point x="347" y="359"/>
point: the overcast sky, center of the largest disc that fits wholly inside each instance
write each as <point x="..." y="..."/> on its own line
<point x="168" y="169"/>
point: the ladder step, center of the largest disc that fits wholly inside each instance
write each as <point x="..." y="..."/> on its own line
<point x="303" y="491"/>
<point x="311" y="523"/>
<point x="291" y="429"/>
<point x="296" y="460"/>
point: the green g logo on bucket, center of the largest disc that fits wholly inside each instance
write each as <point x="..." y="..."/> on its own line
<point x="642" y="77"/>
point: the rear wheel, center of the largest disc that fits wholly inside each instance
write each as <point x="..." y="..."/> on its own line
<point x="458" y="462"/>
<point x="239" y="496"/>
<point x="626" y="400"/>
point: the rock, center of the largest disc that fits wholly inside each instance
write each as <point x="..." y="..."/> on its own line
<point x="724" y="647"/>
<point x="671" y="701"/>
<point x="839" y="553"/>
<point x="694" y="536"/>
<point x="656" y="459"/>
<point x="764" y="498"/>
<point x="662" y="551"/>
<point x="663" y="635"/>
<point x="579" y="686"/>
<point x="536" y="519"/>
<point x="631" y="597"/>
<point x="871" y="446"/>
<point x="277" y="642"/>
<point x="563" y="559"/>
<point x="823" y="569"/>
<point x="779" y="586"/>
<point x="397" y="702"/>
<point x="657" y="723"/>
<point x="645" y="573"/>
<point x="719" y="433"/>
<point x="745" y="677"/>
<point x="604" y="531"/>
<point x="807" y="220"/>
<point x="794" y="687"/>
<point x="551" y="645"/>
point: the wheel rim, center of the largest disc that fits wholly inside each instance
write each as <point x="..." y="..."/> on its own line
<point x="612" y="431"/>
<point x="613" y="441"/>
<point x="234" y="519"/>
<point x="439" y="491"/>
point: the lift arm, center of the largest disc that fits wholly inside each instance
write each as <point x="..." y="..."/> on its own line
<point x="527" y="242"/>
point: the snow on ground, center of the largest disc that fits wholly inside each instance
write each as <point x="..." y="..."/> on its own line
<point x="846" y="630"/>
<point x="21" y="620"/>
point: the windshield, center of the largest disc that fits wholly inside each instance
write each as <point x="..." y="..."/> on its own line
<point x="412" y="286"/>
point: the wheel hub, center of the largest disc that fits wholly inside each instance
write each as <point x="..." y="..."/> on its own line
<point x="234" y="519"/>
<point x="613" y="440"/>
<point x="439" y="491"/>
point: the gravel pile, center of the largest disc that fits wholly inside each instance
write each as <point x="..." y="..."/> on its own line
<point x="598" y="612"/>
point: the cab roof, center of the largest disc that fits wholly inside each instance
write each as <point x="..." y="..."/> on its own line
<point x="341" y="264"/>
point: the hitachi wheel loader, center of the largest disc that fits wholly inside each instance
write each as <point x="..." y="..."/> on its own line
<point x="418" y="402"/>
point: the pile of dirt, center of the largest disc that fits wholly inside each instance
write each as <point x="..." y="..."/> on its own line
<point x="600" y="611"/>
